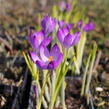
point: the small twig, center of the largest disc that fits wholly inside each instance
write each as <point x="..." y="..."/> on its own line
<point x="97" y="60"/>
<point x="14" y="59"/>
<point x="91" y="100"/>
<point x="9" y="37"/>
<point x="6" y="43"/>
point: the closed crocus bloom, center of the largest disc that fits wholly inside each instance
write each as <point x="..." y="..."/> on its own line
<point x="76" y="38"/>
<point x="61" y="34"/>
<point x="88" y="27"/>
<point x="48" y="24"/>
<point x="71" y="39"/>
<point x="68" y="6"/>
<point x="49" y="59"/>
<point x="66" y="39"/>
<point x="38" y="38"/>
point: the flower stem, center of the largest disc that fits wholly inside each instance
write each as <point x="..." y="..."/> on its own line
<point x="63" y="94"/>
<point x="53" y="88"/>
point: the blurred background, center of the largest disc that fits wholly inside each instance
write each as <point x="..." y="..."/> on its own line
<point x="17" y="16"/>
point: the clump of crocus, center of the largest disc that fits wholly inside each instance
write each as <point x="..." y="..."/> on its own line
<point x="50" y="58"/>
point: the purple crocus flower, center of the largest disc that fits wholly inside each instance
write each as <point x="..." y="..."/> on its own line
<point x="66" y="39"/>
<point x="69" y="26"/>
<point x="48" y="24"/>
<point x="48" y="59"/>
<point x="88" y="27"/>
<point x="38" y="38"/>
<point x="62" y="5"/>
<point x="68" y="7"/>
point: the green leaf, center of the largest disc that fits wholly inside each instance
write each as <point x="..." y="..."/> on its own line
<point x="90" y="71"/>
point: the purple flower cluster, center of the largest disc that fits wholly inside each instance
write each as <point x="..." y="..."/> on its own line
<point x="41" y="55"/>
<point x="50" y="59"/>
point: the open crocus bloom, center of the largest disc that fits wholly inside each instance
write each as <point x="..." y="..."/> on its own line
<point x="66" y="39"/>
<point x="47" y="60"/>
<point x="38" y="38"/>
<point x="48" y="24"/>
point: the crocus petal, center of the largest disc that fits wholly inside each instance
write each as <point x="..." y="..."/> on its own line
<point x="50" y="66"/>
<point x="44" y="53"/>
<point x="40" y="37"/>
<point x="88" y="27"/>
<point x="65" y="31"/>
<point x="36" y="39"/>
<point x="33" y="40"/>
<point x="55" y="51"/>
<point x="61" y="23"/>
<point x="69" y="26"/>
<point x="41" y="64"/>
<point x="54" y="64"/>
<point x="77" y="38"/>
<point x="46" y="41"/>
<point x="33" y="56"/>
<point x="60" y="35"/>
<point x="48" y="24"/>
<point x="58" y="61"/>
<point x="62" y="32"/>
<point x="68" y="40"/>
<point x="43" y="22"/>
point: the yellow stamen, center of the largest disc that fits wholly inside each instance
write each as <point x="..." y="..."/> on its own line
<point x="39" y="37"/>
<point x="50" y="59"/>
